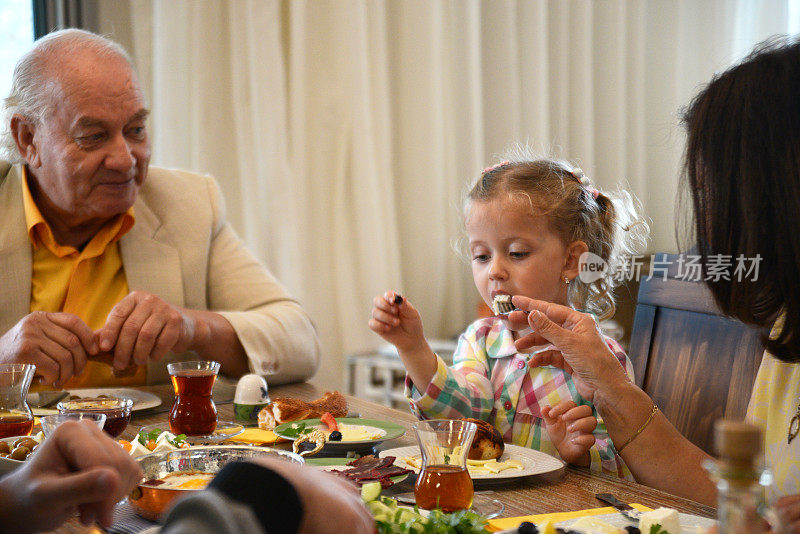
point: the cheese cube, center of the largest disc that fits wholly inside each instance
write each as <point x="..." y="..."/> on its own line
<point x="666" y="517"/>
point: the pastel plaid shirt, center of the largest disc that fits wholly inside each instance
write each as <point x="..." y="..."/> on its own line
<point x="490" y="380"/>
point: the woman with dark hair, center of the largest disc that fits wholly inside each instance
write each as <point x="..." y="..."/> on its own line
<point x="742" y="167"/>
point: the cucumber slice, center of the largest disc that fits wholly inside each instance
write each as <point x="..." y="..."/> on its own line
<point x="370" y="491"/>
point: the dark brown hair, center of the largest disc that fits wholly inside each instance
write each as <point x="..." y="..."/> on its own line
<point x="742" y="166"/>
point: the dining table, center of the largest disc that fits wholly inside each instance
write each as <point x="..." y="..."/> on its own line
<point x="567" y="489"/>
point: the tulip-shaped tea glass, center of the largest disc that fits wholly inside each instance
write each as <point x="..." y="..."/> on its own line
<point x="16" y="418"/>
<point x="193" y="413"/>
<point x="444" y="481"/>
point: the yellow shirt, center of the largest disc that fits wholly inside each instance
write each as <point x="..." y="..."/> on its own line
<point x="773" y="403"/>
<point x="87" y="283"/>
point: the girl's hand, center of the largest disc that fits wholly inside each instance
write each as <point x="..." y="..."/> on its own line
<point x="398" y="322"/>
<point x="570" y="427"/>
<point x="582" y="352"/>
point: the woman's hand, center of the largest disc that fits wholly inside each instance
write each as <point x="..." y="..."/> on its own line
<point x="582" y="352"/>
<point x="570" y="428"/>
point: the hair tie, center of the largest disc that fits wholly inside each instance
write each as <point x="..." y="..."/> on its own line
<point x="584" y="182"/>
<point x="495" y="166"/>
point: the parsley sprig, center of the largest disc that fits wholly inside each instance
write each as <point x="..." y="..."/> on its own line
<point x="295" y="431"/>
<point x="144" y="437"/>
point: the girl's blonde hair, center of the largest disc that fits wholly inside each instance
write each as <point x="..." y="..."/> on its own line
<point x="608" y="223"/>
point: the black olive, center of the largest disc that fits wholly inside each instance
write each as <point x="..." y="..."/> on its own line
<point x="632" y="530"/>
<point x="335" y="436"/>
<point x="527" y="528"/>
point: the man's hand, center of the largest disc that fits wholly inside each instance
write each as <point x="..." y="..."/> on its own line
<point x="56" y="343"/>
<point x="144" y="327"/>
<point x="78" y="468"/>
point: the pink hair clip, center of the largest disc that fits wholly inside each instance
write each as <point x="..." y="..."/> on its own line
<point x="495" y="166"/>
<point x="583" y="180"/>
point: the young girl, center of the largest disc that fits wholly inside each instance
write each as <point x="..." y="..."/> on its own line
<point x="528" y="222"/>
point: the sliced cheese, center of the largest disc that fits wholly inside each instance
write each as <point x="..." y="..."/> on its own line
<point x="595" y="526"/>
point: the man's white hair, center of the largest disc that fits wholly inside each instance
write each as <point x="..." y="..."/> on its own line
<point x="30" y="94"/>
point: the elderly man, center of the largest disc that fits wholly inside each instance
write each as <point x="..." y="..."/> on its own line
<point x="108" y="268"/>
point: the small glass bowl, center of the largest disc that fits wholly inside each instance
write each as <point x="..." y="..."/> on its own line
<point x="116" y="409"/>
<point x="51" y="422"/>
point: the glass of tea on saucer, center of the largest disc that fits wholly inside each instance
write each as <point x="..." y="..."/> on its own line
<point x="444" y="482"/>
<point x="193" y="413"/>
<point x="16" y="418"/>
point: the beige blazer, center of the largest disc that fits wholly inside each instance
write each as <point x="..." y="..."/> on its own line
<point x="181" y="249"/>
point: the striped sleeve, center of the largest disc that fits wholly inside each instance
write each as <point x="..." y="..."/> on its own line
<point x="463" y="390"/>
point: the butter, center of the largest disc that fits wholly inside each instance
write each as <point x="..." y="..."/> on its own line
<point x="358" y="432"/>
<point x="667" y="518"/>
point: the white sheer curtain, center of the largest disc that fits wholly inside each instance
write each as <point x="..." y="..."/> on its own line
<point x="344" y="132"/>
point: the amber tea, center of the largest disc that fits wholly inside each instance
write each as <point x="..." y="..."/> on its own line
<point x="193" y="413"/>
<point x="443" y="481"/>
<point x="15" y="424"/>
<point x="448" y="487"/>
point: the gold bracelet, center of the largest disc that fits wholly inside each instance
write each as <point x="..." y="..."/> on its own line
<point x="641" y="429"/>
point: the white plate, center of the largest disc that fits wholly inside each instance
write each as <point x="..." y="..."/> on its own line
<point x="689" y="522"/>
<point x="535" y="462"/>
<point x="142" y="400"/>
<point x="6" y="464"/>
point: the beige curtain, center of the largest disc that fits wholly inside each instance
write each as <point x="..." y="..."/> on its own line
<point x="344" y="132"/>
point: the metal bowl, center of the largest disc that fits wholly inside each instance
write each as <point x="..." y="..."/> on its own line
<point x="151" y="501"/>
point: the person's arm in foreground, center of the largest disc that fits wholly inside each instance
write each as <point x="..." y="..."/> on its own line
<point x="272" y="496"/>
<point x="77" y="469"/>
<point x="660" y="456"/>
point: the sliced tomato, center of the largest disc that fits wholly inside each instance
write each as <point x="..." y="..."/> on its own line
<point x="330" y="421"/>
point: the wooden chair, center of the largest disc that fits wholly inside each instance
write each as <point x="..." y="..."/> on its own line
<point x="695" y="363"/>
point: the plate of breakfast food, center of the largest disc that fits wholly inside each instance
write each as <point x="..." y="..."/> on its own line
<point x="173" y="473"/>
<point x="343" y="433"/>
<point x="142" y="400"/>
<point x="363" y="470"/>
<point x="515" y="462"/>
<point x="488" y="457"/>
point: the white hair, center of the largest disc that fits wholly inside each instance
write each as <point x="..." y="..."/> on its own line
<point x="30" y="94"/>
